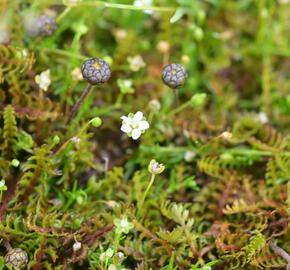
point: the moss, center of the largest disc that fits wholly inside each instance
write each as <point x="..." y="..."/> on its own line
<point x="81" y="195"/>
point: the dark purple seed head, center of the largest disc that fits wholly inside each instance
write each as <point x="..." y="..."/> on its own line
<point x="46" y="25"/>
<point x="16" y="258"/>
<point x="96" y="71"/>
<point x="174" y="75"/>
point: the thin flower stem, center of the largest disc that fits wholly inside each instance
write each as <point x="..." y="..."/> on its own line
<point x="181" y="107"/>
<point x="119" y="99"/>
<point x="147" y="190"/>
<point x="140" y="205"/>
<point x="237" y="151"/>
<point x="119" y="6"/>
<point x="76" y="107"/>
<point x="7" y="246"/>
<point x="64" y="53"/>
<point x="116" y="242"/>
<point x="176" y="97"/>
<point x="279" y="251"/>
<point x="62" y="15"/>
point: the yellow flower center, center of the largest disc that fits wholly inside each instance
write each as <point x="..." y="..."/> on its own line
<point x="96" y="65"/>
<point x="173" y="71"/>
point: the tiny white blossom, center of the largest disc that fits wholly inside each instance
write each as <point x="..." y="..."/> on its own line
<point x="77" y="246"/>
<point x="154" y="105"/>
<point x="123" y="226"/>
<point x="155" y="167"/>
<point x="136" y="62"/>
<point x="76" y="74"/>
<point x="163" y="46"/>
<point x="263" y="117"/>
<point x="134" y="125"/>
<point x="43" y="80"/>
<point x="189" y="155"/>
<point x="226" y="135"/>
<point x="120" y="34"/>
<point x="76" y="140"/>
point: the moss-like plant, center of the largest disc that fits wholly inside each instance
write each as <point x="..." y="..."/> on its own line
<point x="85" y="194"/>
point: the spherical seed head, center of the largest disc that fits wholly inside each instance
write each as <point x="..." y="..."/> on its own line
<point x="96" y="71"/>
<point x="174" y="75"/>
<point x="46" y="25"/>
<point x="16" y="258"/>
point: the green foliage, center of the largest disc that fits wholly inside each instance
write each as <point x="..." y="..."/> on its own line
<point x="74" y="196"/>
<point x="9" y="130"/>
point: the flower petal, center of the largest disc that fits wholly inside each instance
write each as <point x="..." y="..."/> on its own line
<point x="125" y="128"/>
<point x="136" y="133"/>
<point x="126" y="120"/>
<point x="138" y="116"/>
<point x="143" y="125"/>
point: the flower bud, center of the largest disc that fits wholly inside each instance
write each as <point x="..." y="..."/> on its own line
<point x="15" y="162"/>
<point x="56" y="140"/>
<point x="163" y="46"/>
<point x="96" y="122"/>
<point x="155" y="167"/>
<point x="198" y="34"/>
<point x="77" y="246"/>
<point x="154" y="105"/>
<point x="198" y="100"/>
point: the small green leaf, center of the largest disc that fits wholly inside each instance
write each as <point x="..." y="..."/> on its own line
<point x="177" y="15"/>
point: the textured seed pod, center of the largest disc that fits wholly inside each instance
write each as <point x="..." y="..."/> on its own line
<point x="46" y="25"/>
<point x="174" y="75"/>
<point x="16" y="258"/>
<point x="96" y="71"/>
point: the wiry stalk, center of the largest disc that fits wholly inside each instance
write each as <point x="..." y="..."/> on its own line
<point x="78" y="104"/>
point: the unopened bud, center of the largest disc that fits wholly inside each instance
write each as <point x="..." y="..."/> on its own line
<point x="155" y="167"/>
<point x="96" y="122"/>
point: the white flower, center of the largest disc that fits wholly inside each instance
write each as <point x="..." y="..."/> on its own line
<point x="155" y="168"/>
<point x="154" y="105"/>
<point x="163" y="46"/>
<point x="226" y="135"/>
<point x="134" y="125"/>
<point x="141" y="3"/>
<point x="120" y="34"/>
<point x="77" y="246"/>
<point x="263" y="118"/>
<point x="123" y="226"/>
<point x="76" y="74"/>
<point x="43" y="80"/>
<point x="189" y="155"/>
<point x="136" y="62"/>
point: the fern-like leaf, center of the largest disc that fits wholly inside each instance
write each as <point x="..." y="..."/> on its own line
<point x="10" y="130"/>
